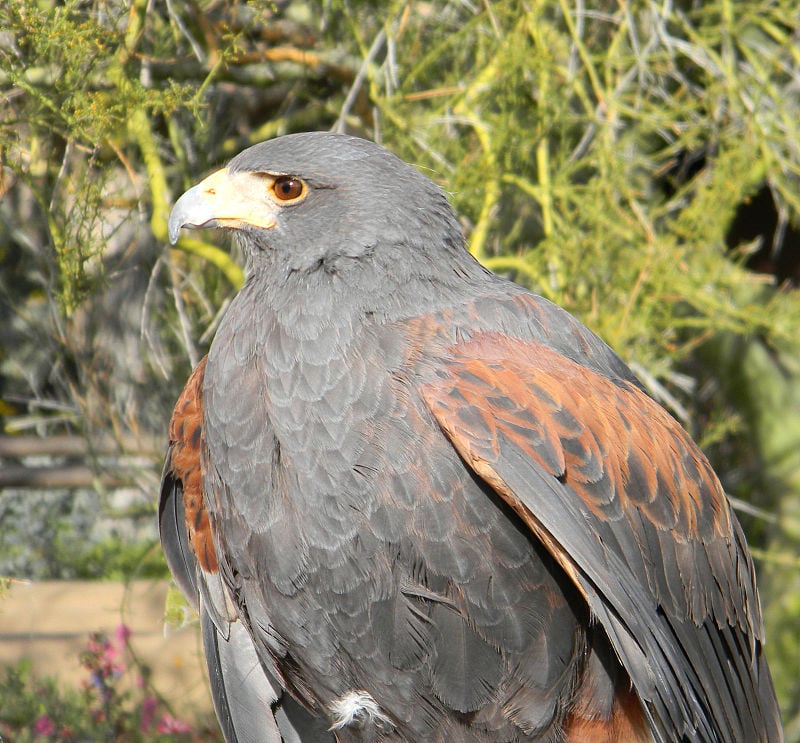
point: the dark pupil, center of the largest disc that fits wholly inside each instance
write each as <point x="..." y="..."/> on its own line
<point x="288" y="187"/>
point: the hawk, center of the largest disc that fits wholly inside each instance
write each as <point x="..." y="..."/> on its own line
<point x="413" y="501"/>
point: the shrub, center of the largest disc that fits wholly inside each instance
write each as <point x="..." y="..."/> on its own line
<point x="115" y="702"/>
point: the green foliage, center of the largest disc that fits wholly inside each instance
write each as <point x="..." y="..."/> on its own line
<point x="114" y="703"/>
<point x="56" y="537"/>
<point x="567" y="139"/>
<point x="111" y="559"/>
<point x="26" y="700"/>
<point x="71" y="66"/>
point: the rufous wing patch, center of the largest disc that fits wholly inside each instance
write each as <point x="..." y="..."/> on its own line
<point x="186" y="434"/>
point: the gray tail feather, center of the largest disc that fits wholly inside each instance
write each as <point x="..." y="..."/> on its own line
<point x="174" y="539"/>
<point x="297" y="725"/>
<point x="251" y="706"/>
<point x="243" y="695"/>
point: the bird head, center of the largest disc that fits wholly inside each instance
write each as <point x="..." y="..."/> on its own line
<point x="303" y="201"/>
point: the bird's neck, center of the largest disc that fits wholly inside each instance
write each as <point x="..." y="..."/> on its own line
<point x="295" y="336"/>
<point x="393" y="282"/>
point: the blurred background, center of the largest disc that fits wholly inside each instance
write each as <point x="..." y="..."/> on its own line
<point x="636" y="162"/>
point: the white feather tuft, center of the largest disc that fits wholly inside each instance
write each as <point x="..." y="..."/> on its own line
<point x="359" y="707"/>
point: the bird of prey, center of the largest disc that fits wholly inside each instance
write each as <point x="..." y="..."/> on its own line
<point x="413" y="501"/>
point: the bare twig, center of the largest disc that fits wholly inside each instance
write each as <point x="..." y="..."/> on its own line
<point x="374" y="50"/>
<point x="65" y="445"/>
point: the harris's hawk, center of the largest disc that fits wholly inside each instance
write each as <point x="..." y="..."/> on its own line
<point x="413" y="501"/>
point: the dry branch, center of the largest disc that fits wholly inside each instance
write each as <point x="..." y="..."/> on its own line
<point x="122" y="461"/>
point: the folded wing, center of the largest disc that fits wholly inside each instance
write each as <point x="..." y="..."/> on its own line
<point x="630" y="508"/>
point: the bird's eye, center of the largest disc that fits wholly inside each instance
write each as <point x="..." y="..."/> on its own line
<point x="288" y="188"/>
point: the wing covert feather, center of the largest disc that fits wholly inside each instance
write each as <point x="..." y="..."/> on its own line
<point x="632" y="511"/>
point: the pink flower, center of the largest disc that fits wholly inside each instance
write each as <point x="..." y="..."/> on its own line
<point x="94" y="647"/>
<point x="168" y="724"/>
<point x="149" y="705"/>
<point x="123" y="634"/>
<point x="109" y="661"/>
<point x="44" y="726"/>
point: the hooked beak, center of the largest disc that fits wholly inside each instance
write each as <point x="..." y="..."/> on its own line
<point x="227" y="200"/>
